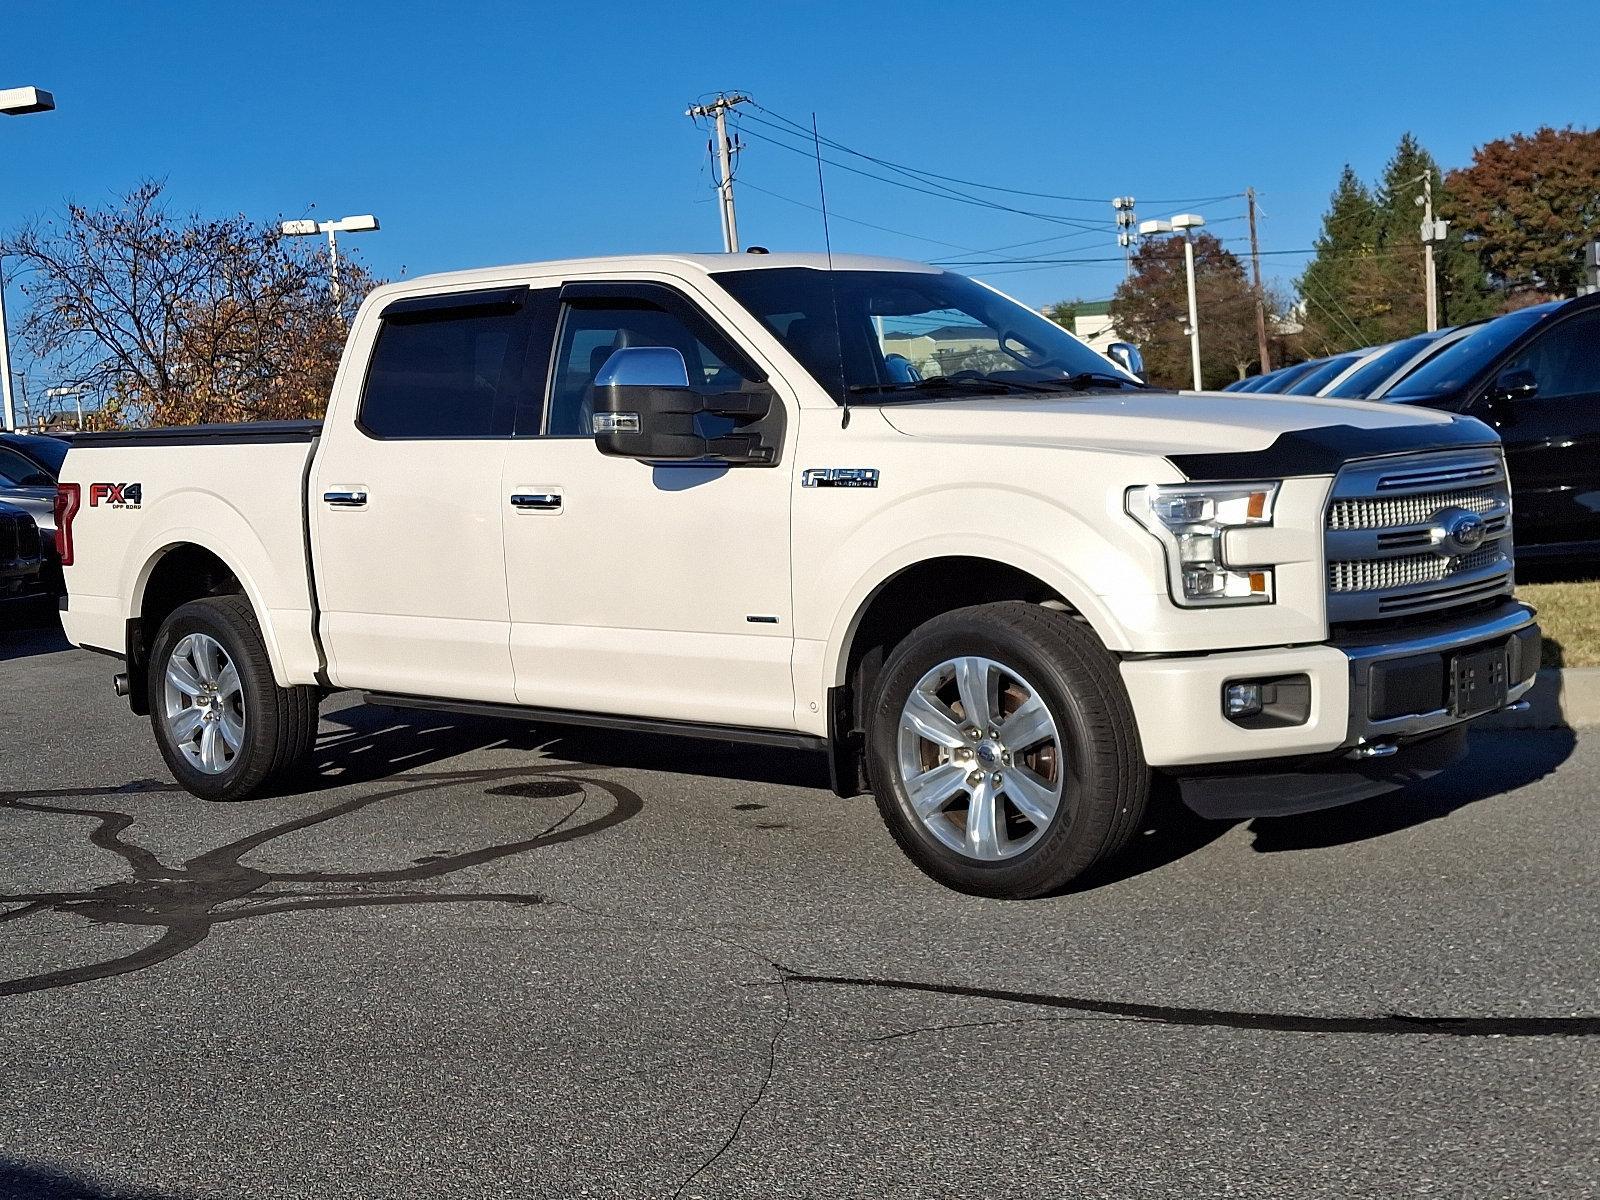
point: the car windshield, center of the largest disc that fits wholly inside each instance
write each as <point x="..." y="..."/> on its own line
<point x="1458" y="364"/>
<point x="884" y="336"/>
<point x="1280" y="380"/>
<point x="1313" y="382"/>
<point x="1361" y="382"/>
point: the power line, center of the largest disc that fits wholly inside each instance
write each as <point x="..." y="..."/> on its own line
<point x="916" y="237"/>
<point x="937" y="191"/>
<point x="993" y="187"/>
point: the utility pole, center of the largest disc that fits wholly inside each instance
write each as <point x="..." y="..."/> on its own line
<point x="718" y="110"/>
<point x="1433" y="234"/>
<point x="1125" y="223"/>
<point x="1262" y="349"/>
<point x="1429" y="283"/>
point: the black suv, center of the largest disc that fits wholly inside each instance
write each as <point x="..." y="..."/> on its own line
<point x="1534" y="375"/>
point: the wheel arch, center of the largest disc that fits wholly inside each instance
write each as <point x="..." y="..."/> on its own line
<point x="907" y="594"/>
<point x="172" y="575"/>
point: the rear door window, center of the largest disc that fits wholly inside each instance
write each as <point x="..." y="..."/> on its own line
<point x="448" y="367"/>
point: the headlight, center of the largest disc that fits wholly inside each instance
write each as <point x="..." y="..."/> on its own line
<point x="1191" y="523"/>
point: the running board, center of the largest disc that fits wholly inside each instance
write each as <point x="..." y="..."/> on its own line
<point x="562" y="716"/>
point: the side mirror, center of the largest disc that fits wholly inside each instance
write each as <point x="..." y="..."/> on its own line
<point x="1128" y="357"/>
<point x="644" y="408"/>
<point x="1518" y="383"/>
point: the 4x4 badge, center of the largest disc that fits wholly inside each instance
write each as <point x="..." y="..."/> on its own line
<point x="845" y="477"/>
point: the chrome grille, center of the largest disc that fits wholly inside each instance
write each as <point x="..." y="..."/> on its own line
<point x="1387" y="554"/>
<point x="1382" y="574"/>
<point x="1389" y="511"/>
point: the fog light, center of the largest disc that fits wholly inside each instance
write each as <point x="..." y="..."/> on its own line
<point x="1242" y="700"/>
<point x="1271" y="702"/>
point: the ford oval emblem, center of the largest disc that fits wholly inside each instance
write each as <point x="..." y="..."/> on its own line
<point x="1457" y="531"/>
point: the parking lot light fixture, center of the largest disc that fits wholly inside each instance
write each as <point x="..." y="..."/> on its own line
<point x="20" y="101"/>
<point x="364" y="223"/>
<point x="1186" y="224"/>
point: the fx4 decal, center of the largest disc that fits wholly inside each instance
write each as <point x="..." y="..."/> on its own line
<point x="116" y="495"/>
<point x="845" y="477"/>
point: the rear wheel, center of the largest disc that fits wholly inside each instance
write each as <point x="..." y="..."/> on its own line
<point x="1003" y="750"/>
<point x="224" y="726"/>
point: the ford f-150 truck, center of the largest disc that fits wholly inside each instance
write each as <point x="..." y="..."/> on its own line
<point x="864" y="506"/>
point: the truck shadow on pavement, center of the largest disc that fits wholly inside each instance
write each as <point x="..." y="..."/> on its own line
<point x="27" y="630"/>
<point x="25" y="1181"/>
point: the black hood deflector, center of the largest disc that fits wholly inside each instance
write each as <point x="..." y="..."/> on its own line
<point x="1324" y="450"/>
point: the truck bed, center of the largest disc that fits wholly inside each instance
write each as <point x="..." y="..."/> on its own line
<point x="149" y="497"/>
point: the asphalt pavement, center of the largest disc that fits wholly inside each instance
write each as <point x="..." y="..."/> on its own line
<point x="482" y="959"/>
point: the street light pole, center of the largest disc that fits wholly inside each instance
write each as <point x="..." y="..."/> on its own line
<point x="1194" y="313"/>
<point x="1186" y="224"/>
<point x="365" y="223"/>
<point x="5" y="356"/>
<point x="15" y="102"/>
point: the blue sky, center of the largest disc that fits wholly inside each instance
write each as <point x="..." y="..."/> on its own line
<point x="495" y="132"/>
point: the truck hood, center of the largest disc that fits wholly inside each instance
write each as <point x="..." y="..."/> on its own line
<point x="1158" y="423"/>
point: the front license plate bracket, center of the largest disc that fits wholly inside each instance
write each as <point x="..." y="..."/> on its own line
<point x="1479" y="681"/>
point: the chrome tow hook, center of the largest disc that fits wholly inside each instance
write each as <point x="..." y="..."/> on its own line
<point x="1374" y="750"/>
<point x="1517" y="706"/>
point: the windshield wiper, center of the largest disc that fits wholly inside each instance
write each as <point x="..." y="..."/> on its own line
<point x="943" y="383"/>
<point x="1084" y="380"/>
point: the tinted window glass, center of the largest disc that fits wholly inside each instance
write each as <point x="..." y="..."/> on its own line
<point x="18" y="470"/>
<point x="1313" y="382"/>
<point x="1565" y="361"/>
<point x="1361" y="382"/>
<point x="1457" y="364"/>
<point x="591" y="332"/>
<point x="451" y="373"/>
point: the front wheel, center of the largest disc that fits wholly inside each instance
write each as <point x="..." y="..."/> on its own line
<point x="1003" y="750"/>
<point x="224" y="726"/>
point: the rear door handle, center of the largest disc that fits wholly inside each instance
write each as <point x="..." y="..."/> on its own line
<point x="532" y="501"/>
<point x="346" y="497"/>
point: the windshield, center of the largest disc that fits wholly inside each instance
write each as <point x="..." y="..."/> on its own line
<point x="1361" y="382"/>
<point x="912" y="334"/>
<point x="50" y="453"/>
<point x="1458" y="364"/>
<point x="1313" y="382"/>
<point x="1281" y="380"/>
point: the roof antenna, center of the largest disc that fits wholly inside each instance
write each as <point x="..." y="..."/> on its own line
<point x="833" y="290"/>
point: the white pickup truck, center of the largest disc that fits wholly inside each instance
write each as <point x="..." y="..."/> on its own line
<point x="866" y="507"/>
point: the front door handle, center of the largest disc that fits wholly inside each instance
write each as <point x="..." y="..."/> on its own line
<point x="346" y="498"/>
<point x="537" y="501"/>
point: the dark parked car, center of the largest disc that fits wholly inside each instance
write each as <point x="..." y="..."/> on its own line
<point x="29" y="467"/>
<point x="21" y="556"/>
<point x="1534" y="375"/>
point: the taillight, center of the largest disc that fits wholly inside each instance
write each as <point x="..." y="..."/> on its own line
<point x="68" y="497"/>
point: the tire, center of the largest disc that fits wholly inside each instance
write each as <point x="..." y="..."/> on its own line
<point x="261" y="734"/>
<point x="1031" y="662"/>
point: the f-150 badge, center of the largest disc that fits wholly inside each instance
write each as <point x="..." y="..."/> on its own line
<point x="846" y="477"/>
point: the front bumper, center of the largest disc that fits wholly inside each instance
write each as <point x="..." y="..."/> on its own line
<point x="1373" y="695"/>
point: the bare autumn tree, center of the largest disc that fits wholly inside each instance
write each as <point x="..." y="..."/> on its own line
<point x="1151" y="307"/>
<point x="168" y="320"/>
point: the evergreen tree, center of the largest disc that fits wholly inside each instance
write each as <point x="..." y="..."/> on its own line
<point x="1341" y="286"/>
<point x="1463" y="289"/>
<point x="1366" y="284"/>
